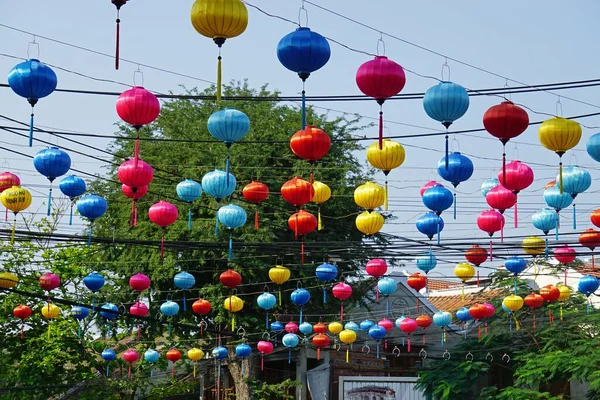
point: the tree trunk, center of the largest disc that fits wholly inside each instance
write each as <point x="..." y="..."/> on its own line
<point x="242" y="389"/>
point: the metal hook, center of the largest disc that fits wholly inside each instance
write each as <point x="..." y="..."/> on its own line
<point x="366" y="346"/>
<point x="37" y="45"/>
<point x="135" y="73"/>
<point x="266" y="335"/>
<point x="454" y="140"/>
<point x="423" y="354"/>
<point x="446" y="353"/>
<point x="469" y="356"/>
<point x="491" y="357"/>
<point x="241" y="331"/>
<point x="507" y="94"/>
<point x="302" y="8"/>
<point x="299" y="284"/>
<point x="515" y="152"/>
<point x="506" y="358"/>
<point x="559" y="109"/>
<point x="279" y="261"/>
<point x="266" y="288"/>
<point x="380" y="40"/>
<point x="337" y="347"/>
<point x="203" y="324"/>
<point x="573" y="158"/>
<point x="304" y="340"/>
<point x="396" y="351"/>
<point x="446" y="66"/>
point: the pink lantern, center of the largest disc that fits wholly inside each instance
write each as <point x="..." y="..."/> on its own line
<point x="381" y="79"/>
<point x="291" y="327"/>
<point x="342" y="291"/>
<point x="386" y="324"/>
<point x="135" y="196"/>
<point x="408" y="326"/>
<point x="565" y="255"/>
<point x="429" y="185"/>
<point x="501" y="198"/>
<point x="264" y="348"/>
<point x="491" y="221"/>
<point x="139" y="282"/>
<point x="139" y="309"/>
<point x="135" y="174"/>
<point x="130" y="357"/>
<point x="138" y="107"/>
<point x="49" y="281"/>
<point x="376" y="267"/>
<point x="516" y="177"/>
<point x="163" y="214"/>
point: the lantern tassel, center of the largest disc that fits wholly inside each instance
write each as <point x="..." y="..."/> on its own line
<point x="477" y="277"/>
<point x="31" y="128"/>
<point x="172" y="370"/>
<point x="71" y="215"/>
<point x="107" y="371"/>
<point x="517" y="325"/>
<point x="438" y="235"/>
<point x="78" y="331"/>
<point x="318" y="353"/>
<point x="463" y="293"/>
<point x="478" y="332"/>
<point x="135" y="214"/>
<point x="49" y="201"/>
<point x="195" y="369"/>
<point x="302" y="251"/>
<point x="189" y="219"/>
<point x="303" y="107"/>
<point x="139" y="330"/>
<point x="486" y="327"/>
<point x="91" y="231"/>
<point x="280" y="295"/>
<point x="386" y="196"/>
<point x="342" y="312"/>
<point x="216" y="227"/>
<point x="347" y="356"/>
<point x="267" y="320"/>
<point x="184" y="302"/>
<point x="491" y="250"/>
<point x="49" y="330"/>
<point x="118" y="41"/>
<point x="6" y="214"/>
<point x="289" y="356"/>
<point x="377" y="350"/>
<point x="516" y="216"/>
<point x="219" y="76"/>
<point x="546" y="249"/>
<point x="129" y="372"/>
<point x="446" y="152"/>
<point x="230" y="250"/>
<point x="454" y="204"/>
<point x="233" y="322"/>
<point x="320" y="221"/>
<point x="377" y="292"/>
<point x="423" y="340"/>
<point x="227" y="166"/>
<point x="23" y="329"/>
<point x="534" y="320"/>
<point x="301" y="315"/>
<point x="380" y="126"/>
<point x="574" y="217"/>
<point x="136" y="150"/>
<point x="243" y="367"/>
<point x="593" y="263"/>
<point x="324" y="296"/>
<point x="418" y="304"/>
<point x="256" y="223"/>
<point x="408" y="343"/>
<point x="560" y="172"/>
<point x="510" y="324"/>
<point x="162" y="246"/>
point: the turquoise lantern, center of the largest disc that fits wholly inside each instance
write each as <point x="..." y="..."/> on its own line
<point x="220" y="185"/>
<point x="232" y="216"/>
<point x="189" y="191"/>
<point x="229" y="126"/>
<point x="184" y="281"/>
<point x="546" y="220"/>
<point x="576" y="180"/>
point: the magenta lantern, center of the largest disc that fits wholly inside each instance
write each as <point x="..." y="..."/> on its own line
<point x="139" y="309"/>
<point x="291" y="327"/>
<point x="565" y="255"/>
<point x="135" y="196"/>
<point x="130" y="357"/>
<point x="163" y="214"/>
<point x="516" y="176"/>
<point x="135" y="175"/>
<point x="429" y="185"/>
<point x="49" y="281"/>
<point x="376" y="267"/>
<point x="501" y="198"/>
<point x="139" y="282"/>
<point x="408" y="326"/>
<point x="491" y="221"/>
<point x="380" y="78"/>
<point x="264" y="347"/>
<point x="138" y="107"/>
<point x="342" y="291"/>
<point x="386" y="324"/>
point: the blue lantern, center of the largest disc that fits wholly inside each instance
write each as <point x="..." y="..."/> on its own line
<point x="377" y="333"/>
<point x="557" y="200"/>
<point x="300" y="297"/>
<point x="437" y="199"/>
<point x="232" y="216"/>
<point x="219" y="353"/>
<point x="32" y="80"/>
<point x="326" y="272"/>
<point x="151" y="356"/>
<point x="455" y="168"/>
<point x="290" y="340"/>
<point x="488" y="185"/>
<point x="430" y="224"/>
<point x="72" y="186"/>
<point x="593" y="147"/>
<point x="386" y="287"/>
<point x="303" y="52"/>
<point x="52" y="163"/>
<point x="218" y="184"/>
<point x="515" y="265"/>
<point x="92" y="207"/>
<point x="94" y="282"/>
<point x="266" y="301"/>
<point x="306" y="328"/>
<point x="546" y="220"/>
<point x="169" y="309"/>
<point x="442" y="319"/>
<point x="575" y="180"/>
<point x="229" y="126"/>
<point x="79" y="313"/>
<point x="108" y="355"/>
<point x="352" y="326"/>
<point x="426" y="262"/>
<point x="588" y="284"/>
<point x="189" y="191"/>
<point x="366" y="324"/>
<point x="462" y="314"/>
<point x="446" y="102"/>
<point x="110" y="312"/>
<point x="184" y="281"/>
<point x="243" y="351"/>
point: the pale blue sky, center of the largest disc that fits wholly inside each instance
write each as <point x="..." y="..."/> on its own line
<point x="533" y="42"/>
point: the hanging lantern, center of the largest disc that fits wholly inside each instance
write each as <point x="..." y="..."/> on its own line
<point x="173" y="355"/>
<point x="22" y="312"/>
<point x="417" y="281"/>
<point x="50" y="312"/>
<point x="369" y="223"/>
<point x="135" y="196"/>
<point x="32" y="80"/>
<point x="130" y="356"/>
<point x="108" y="355"/>
<point x="424" y="321"/>
<point x="590" y="239"/>
<point x="302" y="223"/>
<point x="565" y="255"/>
<point x="353" y="326"/>
<point x="256" y="192"/>
<point x="233" y="217"/>
<point x="8" y="180"/>
<point x="201" y="307"/>
<point x="387" y="286"/>
<point x="348" y="336"/>
<point x="513" y="302"/>
<point x="229" y="126"/>
<point x="326" y="272"/>
<point x="118" y="4"/>
<point x="455" y="168"/>
<point x="463" y="314"/>
<point x="297" y="192"/>
<point x="501" y="198"/>
<point x="505" y="121"/>
<point x="477" y="256"/>
<point x="575" y="180"/>
<point x="559" y="135"/>
<point x="300" y="297"/>
<point x="266" y="301"/>
<point x="377" y="333"/>
<point x="564" y="294"/>
<point x="52" y="163"/>
<point x="79" y="313"/>
<point x="219" y="21"/>
<point x="557" y="200"/>
<point x="8" y="280"/>
<point x="593" y="147"/>
<point x="305" y="328"/>
<point x="49" y="281"/>
<point x="322" y="194"/>
<point x="290" y="340"/>
<point x="163" y="214"/>
<point x="428" y="185"/>
<point x="545" y="220"/>
<point x="335" y="327"/>
<point x="446" y="102"/>
<point x="491" y="221"/>
<point x="137" y="107"/>
<point x="408" y="326"/>
<point x="515" y="265"/>
<point x="291" y="327"/>
<point x="72" y="186"/>
<point x="342" y="291"/>
<point x="488" y="185"/>
<point x="94" y="282"/>
<point x="533" y="301"/>
<point x="478" y="312"/>
<point x="233" y="304"/>
<point x="92" y="207"/>
<point x="534" y="246"/>
<point x="279" y="275"/>
<point x="303" y="52"/>
<point x="366" y="325"/>
<point x="321" y="341"/>
<point x="139" y="282"/>
<point x="189" y="191"/>
<point x="369" y="195"/>
<point x="516" y="176"/>
<point x="218" y="184"/>
<point x="438" y="199"/>
<point x="264" y="348"/>
<point x="230" y="279"/>
<point x="310" y="144"/>
<point x="426" y="262"/>
<point x="588" y="285"/>
<point x="376" y="268"/>
<point x="430" y="224"/>
<point x="380" y="79"/>
<point x="184" y="281"/>
<point x="109" y="311"/>
<point x="550" y="294"/>
<point x="464" y="272"/>
<point x="141" y="310"/>
<point x="151" y="356"/>
<point x="15" y="199"/>
<point x="243" y="351"/>
<point x="386" y="158"/>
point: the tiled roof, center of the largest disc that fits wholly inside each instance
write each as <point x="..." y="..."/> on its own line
<point x="588" y="270"/>
<point x="439" y="284"/>
<point x="454" y="302"/>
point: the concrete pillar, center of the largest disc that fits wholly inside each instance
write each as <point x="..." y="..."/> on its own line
<point x="201" y="386"/>
<point x="301" y="367"/>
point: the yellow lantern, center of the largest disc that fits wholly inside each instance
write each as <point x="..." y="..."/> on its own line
<point x="390" y="156"/>
<point x="534" y="245"/>
<point x="369" y="223"/>
<point x="347" y="336"/>
<point x="219" y="20"/>
<point x="322" y="194"/>
<point x="279" y="275"/>
<point x="335" y="327"/>
<point x="8" y="280"/>
<point x="16" y="199"/>
<point x="50" y="311"/>
<point x="464" y="271"/>
<point x="233" y="304"/>
<point x="513" y="302"/>
<point x="559" y="135"/>
<point x="195" y="355"/>
<point x="369" y="195"/>
<point x="565" y="293"/>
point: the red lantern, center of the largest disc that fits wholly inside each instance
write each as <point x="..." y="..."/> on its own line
<point x="118" y="4"/>
<point x="590" y="239"/>
<point x="595" y="218"/>
<point x="173" y="355"/>
<point x="320" y="327"/>
<point x="302" y="223"/>
<point x="138" y="107"/>
<point x="380" y="79"/>
<point x="139" y="282"/>
<point x="491" y="221"/>
<point x="417" y="281"/>
<point x="501" y="198"/>
<point x="139" y="309"/>
<point x="256" y="192"/>
<point x="297" y="192"/>
<point x="321" y="341"/>
<point x="49" y="281"/>
<point x="550" y="293"/>
<point x="533" y="301"/>
<point x="22" y="312"/>
<point x="505" y="121"/>
<point x="477" y="311"/>
<point x="386" y="324"/>
<point x="135" y="175"/>
<point x="516" y="176"/>
<point x="476" y="255"/>
<point x="134" y="195"/>
<point x="230" y="279"/>
<point x="163" y="214"/>
<point x="130" y="356"/>
<point x="424" y="321"/>
<point x="408" y="326"/>
<point x="264" y="348"/>
<point x="8" y="180"/>
<point x="376" y="267"/>
<point x="429" y="185"/>
<point x="201" y="306"/>
<point x="342" y="291"/>
<point x="310" y="144"/>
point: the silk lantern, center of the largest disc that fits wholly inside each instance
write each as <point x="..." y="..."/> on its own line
<point x="380" y="78"/>
<point x="189" y="191"/>
<point x="369" y="223"/>
<point x="266" y="301"/>
<point x="173" y="355"/>
<point x="593" y="147"/>
<point x="219" y="20"/>
<point x="550" y="293"/>
<point x="446" y="102"/>
<point x="300" y="297"/>
<point x="455" y="168"/>
<point x="426" y="262"/>
<point x="22" y="312"/>
<point x="590" y="239"/>
<point x="501" y="198"/>
<point x="438" y="199"/>
<point x="417" y="282"/>
<point x="310" y="144"/>
<point x="303" y="52"/>
<point x="50" y="312"/>
<point x="533" y="301"/>
<point x="233" y="304"/>
<point x="279" y="275"/>
<point x="92" y="207"/>
<point x="516" y="176"/>
<point x="326" y="272"/>
<point x="141" y="310"/>
<point x="218" y="184"/>
<point x="376" y="268"/>
<point x="135" y="174"/>
<point x="545" y="220"/>
<point x="408" y="326"/>
<point x="201" y="307"/>
<point x="108" y="355"/>
<point x="342" y="291"/>
<point x="464" y="272"/>
<point x="243" y="351"/>
<point x="490" y="221"/>
<point x="15" y="199"/>
<point x="302" y="223"/>
<point x="229" y="126"/>
<point x="255" y="192"/>
<point x="477" y="256"/>
<point x="387" y="286"/>
<point x="52" y="163"/>
<point x="559" y="135"/>
<point x="305" y="328"/>
<point x="72" y="186"/>
<point x="233" y="217"/>
<point x="428" y="185"/>
<point x="291" y="327"/>
<point x="290" y="340"/>
<point x="488" y="185"/>
<point x="478" y="312"/>
<point x="79" y="313"/>
<point x="219" y="353"/>
<point x="348" y="336"/>
<point x="390" y="156"/>
<point x="8" y="280"/>
<point x="575" y="180"/>
<point x="557" y="200"/>
<point x="322" y="194"/>
<point x="118" y="4"/>
<point x="163" y="214"/>
<point x="377" y="333"/>
<point x="139" y="282"/>
<point x="109" y="311"/>
<point x="32" y="80"/>
<point x="130" y="356"/>
<point x="320" y="341"/>
<point x="184" y="281"/>
<point x="588" y="285"/>
<point x="369" y="195"/>
<point x="135" y="196"/>
<point x="8" y="180"/>
<point x="533" y="245"/>
<point x="515" y="265"/>
<point x="430" y="224"/>
<point x="297" y="192"/>
<point x="264" y="348"/>
<point x="94" y="282"/>
<point x="151" y="356"/>
<point x="424" y="321"/>
<point x="137" y="107"/>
